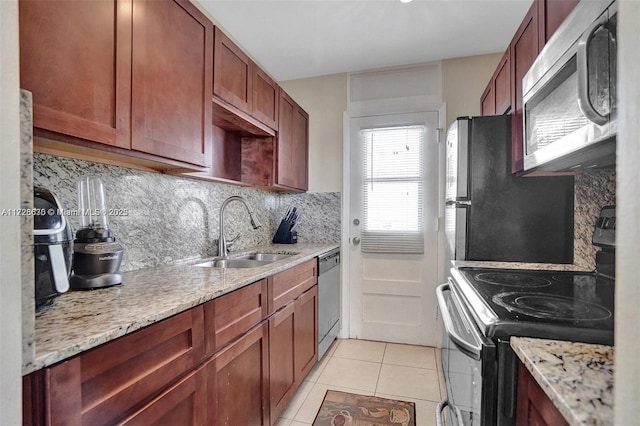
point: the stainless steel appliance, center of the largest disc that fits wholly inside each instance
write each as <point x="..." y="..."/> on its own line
<point x="569" y="94"/>
<point x="96" y="254"/>
<point x="482" y="308"/>
<point x="52" y="246"/>
<point x="491" y="214"/>
<point x="328" y="299"/>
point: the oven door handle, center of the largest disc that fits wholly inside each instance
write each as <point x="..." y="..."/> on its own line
<point x="472" y="349"/>
<point x="453" y="408"/>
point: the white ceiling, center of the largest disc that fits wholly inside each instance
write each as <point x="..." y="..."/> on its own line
<point x="303" y="38"/>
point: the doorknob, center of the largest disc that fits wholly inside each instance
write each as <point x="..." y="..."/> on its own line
<point x="356" y="241"/>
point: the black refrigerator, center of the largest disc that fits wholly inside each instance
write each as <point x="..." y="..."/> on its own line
<point x="492" y="215"/>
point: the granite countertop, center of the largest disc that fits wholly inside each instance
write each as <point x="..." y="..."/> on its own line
<point x="577" y="377"/>
<point x="519" y="265"/>
<point x="80" y="320"/>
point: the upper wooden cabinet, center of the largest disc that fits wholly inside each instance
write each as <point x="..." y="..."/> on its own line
<point x="134" y="75"/>
<point x="265" y="98"/>
<point x="503" y="94"/>
<point x="75" y="57"/>
<point x="502" y="84"/>
<point x="292" y="145"/>
<point x="496" y="98"/>
<point x="239" y="82"/>
<point x="171" y="77"/>
<point x="524" y="50"/>
<point x="232" y="79"/>
<point x="552" y="13"/>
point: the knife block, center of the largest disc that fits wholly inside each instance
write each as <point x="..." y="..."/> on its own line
<point x="284" y="234"/>
<point x="288" y="237"/>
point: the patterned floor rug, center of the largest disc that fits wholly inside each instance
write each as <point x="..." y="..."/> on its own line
<point x="347" y="409"/>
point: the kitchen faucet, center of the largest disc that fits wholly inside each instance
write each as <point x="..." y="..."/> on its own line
<point x="223" y="248"/>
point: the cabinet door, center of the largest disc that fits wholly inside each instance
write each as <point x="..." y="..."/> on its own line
<point x="184" y="403"/>
<point x="293" y="138"/>
<point x="75" y="57"/>
<point x="534" y="407"/>
<point x="524" y="50"/>
<point x="306" y="333"/>
<point x="502" y="85"/>
<point x="281" y="360"/>
<point x="171" y="81"/>
<point x="232" y="74"/>
<point x="265" y="98"/>
<point x="552" y="13"/>
<point x="488" y="100"/>
<point x="238" y="381"/>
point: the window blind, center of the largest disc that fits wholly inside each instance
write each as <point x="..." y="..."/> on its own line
<point x="393" y="173"/>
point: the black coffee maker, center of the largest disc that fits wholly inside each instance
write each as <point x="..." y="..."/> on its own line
<point x="52" y="246"/>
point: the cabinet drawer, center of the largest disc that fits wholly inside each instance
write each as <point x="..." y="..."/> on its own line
<point x="182" y="404"/>
<point x="287" y="285"/>
<point x="231" y="315"/>
<point x="107" y="383"/>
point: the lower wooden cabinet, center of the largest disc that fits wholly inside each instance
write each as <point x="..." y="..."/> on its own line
<point x="106" y="384"/>
<point x="281" y="360"/>
<point x="293" y="348"/>
<point x="238" y="381"/>
<point x="306" y="333"/>
<point x="534" y="407"/>
<point x="227" y="362"/>
<point x="184" y="403"/>
<point x="228" y="317"/>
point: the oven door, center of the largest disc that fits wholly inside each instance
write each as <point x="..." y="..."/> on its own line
<point x="469" y="365"/>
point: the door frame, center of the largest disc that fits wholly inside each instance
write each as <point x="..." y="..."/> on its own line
<point x="345" y="240"/>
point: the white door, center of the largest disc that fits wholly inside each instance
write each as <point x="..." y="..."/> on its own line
<point x="393" y="227"/>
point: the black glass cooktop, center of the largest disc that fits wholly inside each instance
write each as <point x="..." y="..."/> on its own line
<point x="547" y="304"/>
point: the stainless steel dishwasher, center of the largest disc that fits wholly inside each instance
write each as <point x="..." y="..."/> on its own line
<point x="328" y="299"/>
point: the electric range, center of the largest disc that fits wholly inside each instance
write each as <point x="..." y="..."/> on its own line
<point x="546" y="304"/>
<point x="482" y="308"/>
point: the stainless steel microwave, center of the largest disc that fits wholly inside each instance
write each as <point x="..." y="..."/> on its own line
<point x="569" y="94"/>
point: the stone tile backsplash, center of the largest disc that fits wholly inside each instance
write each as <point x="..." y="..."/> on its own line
<point x="593" y="190"/>
<point x="170" y="218"/>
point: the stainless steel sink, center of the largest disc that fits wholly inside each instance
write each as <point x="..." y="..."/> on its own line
<point x="233" y="263"/>
<point x="266" y="257"/>
<point x="252" y="260"/>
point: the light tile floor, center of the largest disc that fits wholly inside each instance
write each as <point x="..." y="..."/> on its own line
<point x="404" y="372"/>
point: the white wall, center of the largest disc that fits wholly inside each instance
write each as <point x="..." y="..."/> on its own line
<point x="463" y="81"/>
<point x="627" y="368"/>
<point x="10" y="287"/>
<point x="325" y="99"/>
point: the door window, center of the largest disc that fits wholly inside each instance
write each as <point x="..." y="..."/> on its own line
<point x="393" y="176"/>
